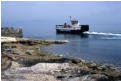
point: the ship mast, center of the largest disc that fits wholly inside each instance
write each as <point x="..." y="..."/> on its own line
<point x="70" y="18"/>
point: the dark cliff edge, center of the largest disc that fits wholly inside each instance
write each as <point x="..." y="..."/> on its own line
<point x="11" y="32"/>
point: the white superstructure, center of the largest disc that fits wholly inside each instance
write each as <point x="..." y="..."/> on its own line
<point x="75" y="27"/>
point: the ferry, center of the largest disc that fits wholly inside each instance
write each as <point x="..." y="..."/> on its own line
<point x="74" y="28"/>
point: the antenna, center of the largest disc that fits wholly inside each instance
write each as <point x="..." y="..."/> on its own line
<point x="70" y="18"/>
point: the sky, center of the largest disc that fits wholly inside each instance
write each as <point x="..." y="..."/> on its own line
<point x="86" y="12"/>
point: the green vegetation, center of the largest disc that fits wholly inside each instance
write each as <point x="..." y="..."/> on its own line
<point x="37" y="53"/>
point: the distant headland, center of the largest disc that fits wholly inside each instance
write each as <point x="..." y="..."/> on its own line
<point x="11" y="32"/>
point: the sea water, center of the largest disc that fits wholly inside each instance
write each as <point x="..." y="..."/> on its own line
<point x="96" y="47"/>
<point x="101" y="44"/>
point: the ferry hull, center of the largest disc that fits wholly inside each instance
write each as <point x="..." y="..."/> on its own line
<point x="82" y="29"/>
<point x="71" y="31"/>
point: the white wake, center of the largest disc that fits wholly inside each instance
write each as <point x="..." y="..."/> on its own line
<point x="101" y="33"/>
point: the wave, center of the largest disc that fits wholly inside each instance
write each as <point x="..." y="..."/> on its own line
<point x="101" y="33"/>
<point x="115" y="38"/>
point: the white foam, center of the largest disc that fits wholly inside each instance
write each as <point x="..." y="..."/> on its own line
<point x="112" y="38"/>
<point x="101" y="33"/>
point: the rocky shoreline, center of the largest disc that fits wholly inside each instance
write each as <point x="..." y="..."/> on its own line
<point x="32" y="64"/>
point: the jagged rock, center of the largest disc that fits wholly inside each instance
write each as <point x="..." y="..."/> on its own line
<point x="93" y="65"/>
<point x="6" y="61"/>
<point x="30" y="77"/>
<point x="95" y="77"/>
<point x="30" y="52"/>
<point x="114" y="75"/>
<point x="16" y="65"/>
<point x="77" y="60"/>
